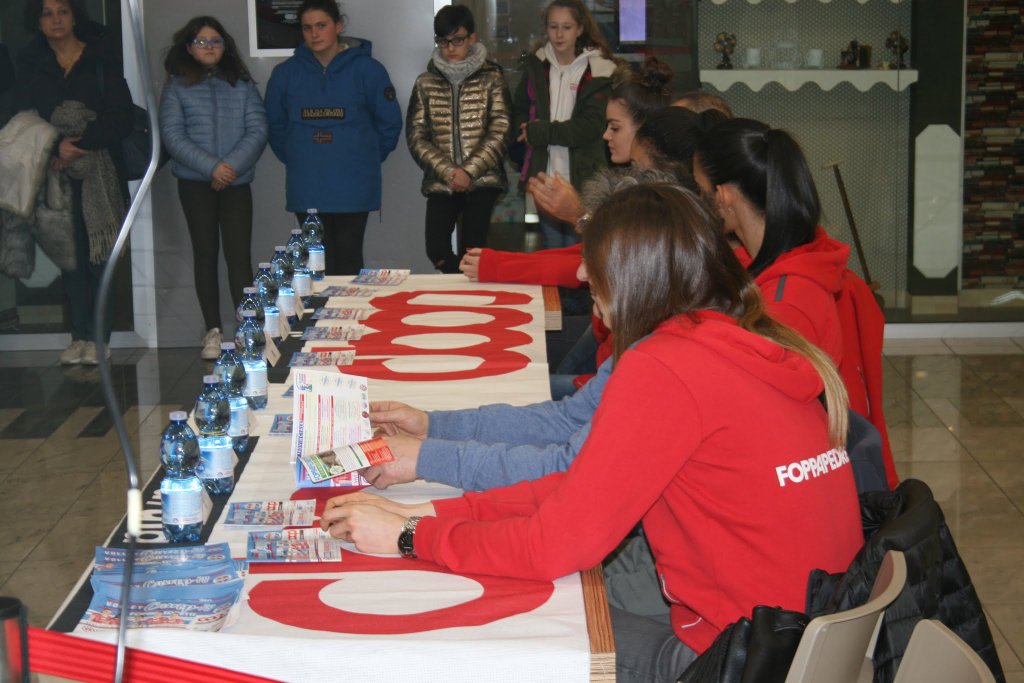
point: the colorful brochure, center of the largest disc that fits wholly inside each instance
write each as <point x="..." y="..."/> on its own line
<point x="322" y="359"/>
<point x="335" y="290"/>
<point x="303" y="481"/>
<point x="270" y="514"/>
<point x="293" y="545"/>
<point x="381" y="276"/>
<point x="331" y="409"/>
<point x="327" y="313"/>
<point x="344" y="459"/>
<point x="333" y="333"/>
<point x="281" y="425"/>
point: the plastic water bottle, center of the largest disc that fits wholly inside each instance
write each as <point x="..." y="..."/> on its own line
<point x="216" y="458"/>
<point x="250" y="302"/>
<point x="266" y="289"/>
<point x="313" y="236"/>
<point x="249" y="344"/>
<point x="301" y="282"/>
<point x="181" y="491"/>
<point x="281" y="269"/>
<point x="229" y="370"/>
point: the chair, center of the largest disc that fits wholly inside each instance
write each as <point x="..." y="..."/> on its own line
<point x="937" y="654"/>
<point x="836" y="648"/>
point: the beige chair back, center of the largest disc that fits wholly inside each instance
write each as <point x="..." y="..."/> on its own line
<point x="935" y="653"/>
<point x="837" y="648"/>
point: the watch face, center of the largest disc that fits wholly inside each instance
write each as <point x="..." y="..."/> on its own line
<point x="405" y="539"/>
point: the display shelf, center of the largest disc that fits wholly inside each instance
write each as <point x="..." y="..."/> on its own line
<point x="794" y="79"/>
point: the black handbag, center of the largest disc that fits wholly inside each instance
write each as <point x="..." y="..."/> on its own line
<point x="755" y="650"/>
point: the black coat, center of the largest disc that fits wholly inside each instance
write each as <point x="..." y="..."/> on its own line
<point x="938" y="585"/>
<point x="42" y="85"/>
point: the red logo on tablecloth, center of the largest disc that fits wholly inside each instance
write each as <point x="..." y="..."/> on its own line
<point x="495" y="354"/>
<point x="296" y="602"/>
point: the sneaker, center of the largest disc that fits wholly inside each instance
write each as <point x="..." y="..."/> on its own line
<point x="73" y="354"/>
<point x="211" y="344"/>
<point x="89" y="354"/>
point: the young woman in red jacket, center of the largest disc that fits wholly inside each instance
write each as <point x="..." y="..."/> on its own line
<point x="730" y="502"/>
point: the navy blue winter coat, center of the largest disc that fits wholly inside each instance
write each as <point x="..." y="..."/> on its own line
<point x="333" y="127"/>
<point x="212" y="121"/>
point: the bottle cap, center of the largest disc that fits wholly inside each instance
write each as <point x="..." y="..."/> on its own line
<point x="296" y="231"/>
<point x="227" y="346"/>
<point x="248" y="313"/>
<point x="248" y="290"/>
<point x="211" y="379"/>
<point x="312" y="211"/>
<point x="264" y="264"/>
<point x="178" y="416"/>
<point x="279" y="247"/>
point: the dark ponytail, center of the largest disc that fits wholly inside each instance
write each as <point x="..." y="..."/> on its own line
<point x="642" y="88"/>
<point x="767" y="166"/>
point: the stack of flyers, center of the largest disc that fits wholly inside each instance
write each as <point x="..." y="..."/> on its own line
<point x="334" y="333"/>
<point x="328" y="313"/>
<point x="381" y="276"/>
<point x="293" y="545"/>
<point x="194" y="589"/>
<point x="302" y="480"/>
<point x="321" y="359"/>
<point x="281" y="425"/>
<point x="331" y="409"/>
<point x="270" y="514"/>
<point x="335" y="290"/>
<point x="345" y="459"/>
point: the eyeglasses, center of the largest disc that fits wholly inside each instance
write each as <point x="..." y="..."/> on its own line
<point x="211" y="43"/>
<point x="454" y="41"/>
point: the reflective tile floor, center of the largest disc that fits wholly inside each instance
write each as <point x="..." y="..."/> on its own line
<point x="955" y="410"/>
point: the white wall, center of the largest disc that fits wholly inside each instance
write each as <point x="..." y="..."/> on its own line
<point x="402" y="35"/>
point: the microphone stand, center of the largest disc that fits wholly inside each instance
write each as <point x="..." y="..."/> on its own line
<point x="134" y="503"/>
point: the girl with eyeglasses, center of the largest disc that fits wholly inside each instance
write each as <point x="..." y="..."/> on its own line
<point x="214" y="126"/>
<point x="559" y="105"/>
<point x="333" y="120"/>
<point x="456" y="125"/>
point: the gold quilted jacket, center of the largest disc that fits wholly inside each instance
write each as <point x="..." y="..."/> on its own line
<point x="482" y="125"/>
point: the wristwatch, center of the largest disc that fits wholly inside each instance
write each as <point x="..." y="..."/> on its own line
<point x="405" y="538"/>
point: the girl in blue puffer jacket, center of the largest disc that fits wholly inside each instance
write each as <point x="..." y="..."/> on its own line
<point x="214" y="126"/>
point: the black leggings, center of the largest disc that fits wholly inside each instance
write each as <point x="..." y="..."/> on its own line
<point x="442" y="212"/>
<point x="343" y="241"/>
<point x="206" y="210"/>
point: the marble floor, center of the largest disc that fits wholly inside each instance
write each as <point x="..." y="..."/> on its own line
<point x="955" y="410"/>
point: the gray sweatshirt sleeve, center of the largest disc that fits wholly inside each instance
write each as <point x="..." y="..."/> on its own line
<point x="498" y="445"/>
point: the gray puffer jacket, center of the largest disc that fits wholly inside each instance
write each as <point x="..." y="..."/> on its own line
<point x="210" y="122"/>
<point x="481" y="126"/>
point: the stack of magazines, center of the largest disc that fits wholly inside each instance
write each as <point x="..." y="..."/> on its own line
<point x="192" y="587"/>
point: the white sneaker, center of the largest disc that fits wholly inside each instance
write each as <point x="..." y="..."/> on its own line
<point x="211" y="344"/>
<point x="73" y="354"/>
<point x="89" y="356"/>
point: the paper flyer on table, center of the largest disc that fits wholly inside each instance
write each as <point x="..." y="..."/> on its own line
<point x="328" y="313"/>
<point x="381" y="276"/>
<point x="334" y="333"/>
<point x="293" y="545"/>
<point x="313" y="359"/>
<point x="343" y="459"/>
<point x="341" y="290"/>
<point x="270" y="514"/>
<point x="330" y="409"/>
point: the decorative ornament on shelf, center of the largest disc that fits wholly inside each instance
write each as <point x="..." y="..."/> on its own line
<point x="725" y="43"/>
<point x="855" y="56"/>
<point x="897" y="45"/>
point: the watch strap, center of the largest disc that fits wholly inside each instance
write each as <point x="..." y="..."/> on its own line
<point x="406" y="537"/>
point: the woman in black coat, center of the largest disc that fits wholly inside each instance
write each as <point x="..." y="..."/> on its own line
<point x="71" y="59"/>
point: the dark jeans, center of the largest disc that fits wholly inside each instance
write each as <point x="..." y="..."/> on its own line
<point x="558" y="234"/>
<point x="647" y="650"/>
<point x="82" y="285"/>
<point x="343" y="241"/>
<point x="443" y="210"/>
<point x="206" y="210"/>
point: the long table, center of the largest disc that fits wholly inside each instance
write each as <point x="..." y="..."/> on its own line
<point x="435" y="342"/>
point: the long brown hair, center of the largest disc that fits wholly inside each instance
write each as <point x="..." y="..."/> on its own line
<point x="591" y="37"/>
<point x="179" y="62"/>
<point x="656" y="251"/>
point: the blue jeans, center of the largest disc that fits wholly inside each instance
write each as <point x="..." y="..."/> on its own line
<point x="558" y="234"/>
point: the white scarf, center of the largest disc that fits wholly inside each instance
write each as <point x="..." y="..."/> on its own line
<point x="563" y="82"/>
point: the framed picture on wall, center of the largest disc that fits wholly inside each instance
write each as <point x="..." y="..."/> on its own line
<point x="274" y="29"/>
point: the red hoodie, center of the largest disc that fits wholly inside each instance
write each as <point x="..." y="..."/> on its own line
<point x="737" y="510"/>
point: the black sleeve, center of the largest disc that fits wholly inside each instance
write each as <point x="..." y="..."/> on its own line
<point x="114" y="109"/>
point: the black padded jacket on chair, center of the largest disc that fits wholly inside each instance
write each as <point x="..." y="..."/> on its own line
<point x="938" y="585"/>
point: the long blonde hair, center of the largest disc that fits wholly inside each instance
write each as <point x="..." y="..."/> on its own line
<point x="656" y="251"/>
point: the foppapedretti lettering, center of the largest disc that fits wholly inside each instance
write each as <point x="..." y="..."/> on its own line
<point x="812" y="468"/>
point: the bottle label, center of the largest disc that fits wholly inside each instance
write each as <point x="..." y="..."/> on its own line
<point x="182" y="507"/>
<point x="286" y="304"/>
<point x="216" y="462"/>
<point x="255" y="381"/>
<point x="272" y="325"/>
<point x="239" y="425"/>
<point x="316" y="260"/>
<point x="302" y="284"/>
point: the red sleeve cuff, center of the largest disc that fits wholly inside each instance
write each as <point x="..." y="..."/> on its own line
<point x="450" y="507"/>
